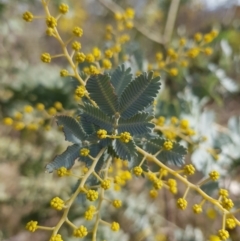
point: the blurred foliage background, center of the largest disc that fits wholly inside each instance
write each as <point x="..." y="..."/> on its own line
<point x="208" y="90"/>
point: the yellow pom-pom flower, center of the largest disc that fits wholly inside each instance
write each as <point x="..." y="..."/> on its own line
<point x="80" y="91"/>
<point x="108" y="53"/>
<point x="106" y="63"/>
<point x="40" y="106"/>
<point x="56" y="237"/>
<point x="153" y="193"/>
<point x="57" y="203"/>
<point x="77" y="31"/>
<point x="117" y="203"/>
<point x="90" y="58"/>
<point x="115" y="226"/>
<point x="52" y="111"/>
<point x="96" y="53"/>
<point x="214" y="175"/>
<point x="173" y="72"/>
<point x="62" y="171"/>
<point x="197" y="208"/>
<point x="76" y="45"/>
<point x="129" y="13"/>
<point x="125" y="137"/>
<point x="198" y="37"/>
<point x="51" y="22"/>
<point x="189" y="169"/>
<point x="102" y="134"/>
<point x="182" y="203"/>
<point x="84" y="152"/>
<point x="8" y="121"/>
<point x="223" y="234"/>
<point x="80" y="57"/>
<point x="137" y="171"/>
<point x="81" y="232"/>
<point x="158" y="184"/>
<point x="92" y="195"/>
<point x="63" y="8"/>
<point x="230" y="223"/>
<point x="208" y="51"/>
<point x="64" y="73"/>
<point x="32" y="226"/>
<point x="46" y="58"/>
<point x="227" y="203"/>
<point x="223" y="192"/>
<point x="27" y="16"/>
<point x="58" y="105"/>
<point x="106" y="184"/>
<point x="168" y="145"/>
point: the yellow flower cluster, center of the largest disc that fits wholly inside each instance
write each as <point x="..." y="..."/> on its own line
<point x="102" y="134"/>
<point x="182" y="203"/>
<point x="51" y="22"/>
<point x="81" y="232"/>
<point x="63" y="171"/>
<point x="158" y="184"/>
<point x="230" y="223"/>
<point x="223" y="234"/>
<point x="56" y="237"/>
<point x="32" y="226"/>
<point x="125" y="137"/>
<point x="57" y="203"/>
<point x="106" y="184"/>
<point x="46" y="58"/>
<point x="80" y="91"/>
<point x="88" y="215"/>
<point x="168" y="145"/>
<point x="28" y="16"/>
<point x="84" y="152"/>
<point x="117" y="203"/>
<point x="63" y="8"/>
<point x="77" y="31"/>
<point x="80" y="57"/>
<point x="189" y="169"/>
<point x="92" y="195"/>
<point x="197" y="208"/>
<point x="115" y="226"/>
<point x="76" y="45"/>
<point x="137" y="171"/>
<point x="214" y="175"/>
<point x="227" y="203"/>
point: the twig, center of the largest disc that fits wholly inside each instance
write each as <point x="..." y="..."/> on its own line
<point x="172" y="14"/>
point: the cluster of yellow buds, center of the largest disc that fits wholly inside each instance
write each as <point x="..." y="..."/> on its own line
<point x="88" y="215"/>
<point x="92" y="195"/>
<point x="57" y="203"/>
<point x="80" y="232"/>
<point x="125" y="137"/>
<point x="173" y="59"/>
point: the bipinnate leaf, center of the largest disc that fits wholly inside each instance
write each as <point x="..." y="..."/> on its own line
<point x="72" y="129"/>
<point x="139" y="94"/>
<point x="88" y="127"/>
<point x="174" y="156"/>
<point x="137" y="125"/>
<point x="125" y="151"/>
<point x="102" y="92"/>
<point x="120" y="78"/>
<point x="66" y="159"/>
<point x="96" y="116"/>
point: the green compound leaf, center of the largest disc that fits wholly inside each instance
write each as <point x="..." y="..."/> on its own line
<point x="66" y="159"/>
<point x="136" y="125"/>
<point x="174" y="156"/>
<point x="125" y="151"/>
<point x="88" y="127"/>
<point x="120" y="78"/>
<point x="102" y="92"/>
<point x="95" y="116"/>
<point x="139" y="94"/>
<point x="72" y="129"/>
